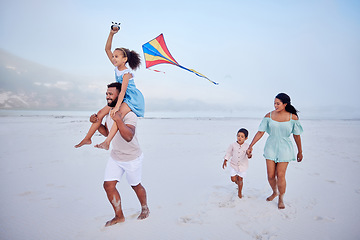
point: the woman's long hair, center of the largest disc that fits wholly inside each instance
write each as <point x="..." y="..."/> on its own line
<point x="284" y="98"/>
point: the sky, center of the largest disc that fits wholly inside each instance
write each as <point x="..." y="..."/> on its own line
<point x="254" y="49"/>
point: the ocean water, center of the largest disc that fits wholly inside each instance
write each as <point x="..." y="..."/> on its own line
<point x="248" y="114"/>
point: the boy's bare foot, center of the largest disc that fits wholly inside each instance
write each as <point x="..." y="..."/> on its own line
<point x="274" y="195"/>
<point x="281" y="204"/>
<point x="240" y="194"/>
<point x="114" y="221"/>
<point x="144" y="212"/>
<point x="103" y="145"/>
<point x="83" y="142"/>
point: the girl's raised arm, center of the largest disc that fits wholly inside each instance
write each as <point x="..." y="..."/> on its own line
<point x="108" y="44"/>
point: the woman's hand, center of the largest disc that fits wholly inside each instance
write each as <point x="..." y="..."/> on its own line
<point x="249" y="152"/>
<point x="299" y="157"/>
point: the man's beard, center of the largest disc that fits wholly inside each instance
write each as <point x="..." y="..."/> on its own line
<point x="113" y="103"/>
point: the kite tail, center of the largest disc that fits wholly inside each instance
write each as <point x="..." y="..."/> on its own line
<point x="198" y="74"/>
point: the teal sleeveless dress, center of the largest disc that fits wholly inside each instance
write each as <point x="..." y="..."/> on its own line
<point x="133" y="97"/>
<point x="278" y="146"/>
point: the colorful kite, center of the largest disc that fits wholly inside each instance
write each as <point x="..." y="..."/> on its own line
<point x="156" y="52"/>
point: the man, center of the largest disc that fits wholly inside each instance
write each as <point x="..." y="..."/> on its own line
<point x="125" y="157"/>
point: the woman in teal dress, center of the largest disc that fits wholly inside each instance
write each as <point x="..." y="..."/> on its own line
<point x="278" y="151"/>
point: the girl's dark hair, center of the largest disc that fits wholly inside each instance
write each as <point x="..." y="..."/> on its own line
<point x="133" y="58"/>
<point x="284" y="98"/>
<point x="244" y="131"/>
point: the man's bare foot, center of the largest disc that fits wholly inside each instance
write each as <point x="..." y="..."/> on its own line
<point x="144" y="212"/>
<point x="281" y="204"/>
<point x="83" y="142"/>
<point x="114" y="221"/>
<point x="274" y="195"/>
<point x="103" y="145"/>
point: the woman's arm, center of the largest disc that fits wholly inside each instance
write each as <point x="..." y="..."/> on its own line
<point x="297" y="139"/>
<point x="256" y="138"/>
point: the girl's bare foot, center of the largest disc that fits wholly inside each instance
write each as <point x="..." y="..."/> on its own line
<point x="274" y="195"/>
<point x="103" y="145"/>
<point x="281" y="204"/>
<point x="114" y="221"/>
<point x="144" y="212"/>
<point x="83" y="142"/>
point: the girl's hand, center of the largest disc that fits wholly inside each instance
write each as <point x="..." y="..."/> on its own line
<point x="224" y="164"/>
<point x="113" y="111"/>
<point x="299" y="157"/>
<point x="114" y="31"/>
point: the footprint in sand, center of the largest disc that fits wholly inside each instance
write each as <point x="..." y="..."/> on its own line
<point x="190" y="219"/>
<point x="331" y="181"/>
<point x="327" y="219"/>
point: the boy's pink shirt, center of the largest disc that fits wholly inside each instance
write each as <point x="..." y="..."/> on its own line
<point x="236" y="153"/>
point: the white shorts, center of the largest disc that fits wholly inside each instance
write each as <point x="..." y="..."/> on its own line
<point x="115" y="170"/>
<point x="233" y="172"/>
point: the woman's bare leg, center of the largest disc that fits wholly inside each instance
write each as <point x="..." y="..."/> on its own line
<point x="281" y="182"/>
<point x="271" y="172"/>
<point x="94" y="127"/>
<point x="124" y="109"/>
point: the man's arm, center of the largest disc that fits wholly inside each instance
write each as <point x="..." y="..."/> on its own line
<point x="127" y="131"/>
<point x="102" y="129"/>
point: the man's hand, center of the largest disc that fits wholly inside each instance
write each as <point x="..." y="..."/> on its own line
<point x="117" y="116"/>
<point x="94" y="118"/>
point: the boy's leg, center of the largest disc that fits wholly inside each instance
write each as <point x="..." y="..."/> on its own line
<point x="240" y="185"/>
<point x="234" y="179"/>
<point x="115" y="200"/>
<point x="124" y="109"/>
<point x="141" y="194"/>
<point x="94" y="127"/>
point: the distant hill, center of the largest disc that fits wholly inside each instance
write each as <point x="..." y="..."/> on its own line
<point x="28" y="85"/>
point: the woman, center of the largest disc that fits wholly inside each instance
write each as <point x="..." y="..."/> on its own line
<point x="278" y="151"/>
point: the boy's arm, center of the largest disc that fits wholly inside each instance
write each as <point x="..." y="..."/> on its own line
<point x="224" y="164"/>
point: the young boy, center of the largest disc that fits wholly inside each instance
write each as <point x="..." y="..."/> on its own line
<point x="239" y="159"/>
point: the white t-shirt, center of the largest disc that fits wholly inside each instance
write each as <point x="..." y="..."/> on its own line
<point x="122" y="150"/>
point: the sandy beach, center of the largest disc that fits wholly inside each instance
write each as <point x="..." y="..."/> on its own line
<point x="50" y="190"/>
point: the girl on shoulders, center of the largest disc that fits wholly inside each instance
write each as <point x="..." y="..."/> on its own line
<point x="129" y="99"/>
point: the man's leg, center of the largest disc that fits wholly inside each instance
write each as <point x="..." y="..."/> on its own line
<point x="141" y="194"/>
<point x="115" y="200"/>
